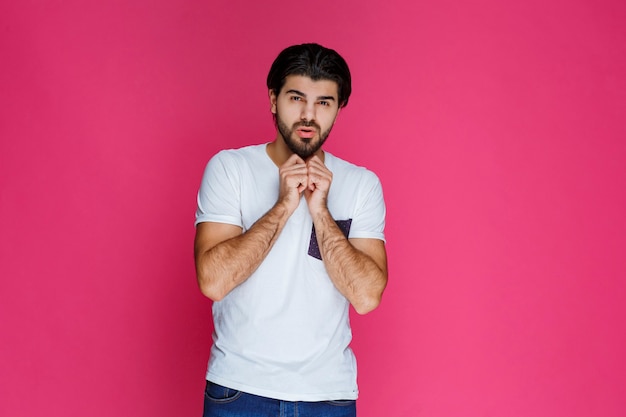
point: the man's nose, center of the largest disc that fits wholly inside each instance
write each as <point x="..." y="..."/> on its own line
<point x="308" y="112"/>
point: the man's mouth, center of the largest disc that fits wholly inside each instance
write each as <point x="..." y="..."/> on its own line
<point x="306" y="132"/>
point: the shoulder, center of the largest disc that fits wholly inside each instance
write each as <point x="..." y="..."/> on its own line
<point x="344" y="170"/>
<point x="233" y="163"/>
<point x="247" y="153"/>
<point x="237" y="160"/>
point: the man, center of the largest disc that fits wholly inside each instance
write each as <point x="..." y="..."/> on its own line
<point x="287" y="237"/>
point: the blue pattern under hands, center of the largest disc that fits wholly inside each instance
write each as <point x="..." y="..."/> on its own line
<point x="314" y="248"/>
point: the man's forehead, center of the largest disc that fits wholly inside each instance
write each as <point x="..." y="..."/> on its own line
<point x="308" y="86"/>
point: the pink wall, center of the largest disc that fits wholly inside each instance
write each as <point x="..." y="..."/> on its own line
<point x="497" y="129"/>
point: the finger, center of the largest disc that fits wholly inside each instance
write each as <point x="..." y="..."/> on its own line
<point x="293" y="170"/>
<point x="296" y="177"/>
<point x="315" y="180"/>
<point x="318" y="167"/>
<point x="317" y="174"/>
<point x="315" y="161"/>
<point x="293" y="160"/>
<point x="315" y="158"/>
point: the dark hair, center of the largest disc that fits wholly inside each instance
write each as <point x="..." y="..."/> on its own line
<point x="313" y="61"/>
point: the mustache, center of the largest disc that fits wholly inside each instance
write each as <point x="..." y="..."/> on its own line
<point x="307" y="123"/>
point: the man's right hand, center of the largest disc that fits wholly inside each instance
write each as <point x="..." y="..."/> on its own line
<point x="293" y="181"/>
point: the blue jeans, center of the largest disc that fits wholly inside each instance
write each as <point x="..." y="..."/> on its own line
<point x="220" y="401"/>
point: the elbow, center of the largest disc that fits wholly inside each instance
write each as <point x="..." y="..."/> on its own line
<point x="367" y="304"/>
<point x="211" y="294"/>
<point x="210" y="290"/>
<point x="208" y="285"/>
<point x="364" y="308"/>
<point x="370" y="301"/>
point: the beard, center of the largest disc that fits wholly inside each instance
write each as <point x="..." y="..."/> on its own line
<point x="303" y="147"/>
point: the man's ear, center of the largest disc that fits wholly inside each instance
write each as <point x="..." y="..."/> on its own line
<point x="273" y="99"/>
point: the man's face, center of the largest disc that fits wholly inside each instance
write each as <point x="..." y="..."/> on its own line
<point x="305" y="113"/>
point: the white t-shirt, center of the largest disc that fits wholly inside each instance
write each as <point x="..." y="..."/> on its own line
<point x="285" y="332"/>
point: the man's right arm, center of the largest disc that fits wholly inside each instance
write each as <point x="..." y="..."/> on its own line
<point x="225" y="257"/>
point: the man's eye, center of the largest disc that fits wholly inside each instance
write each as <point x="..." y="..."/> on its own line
<point x="324" y="103"/>
<point x="296" y="98"/>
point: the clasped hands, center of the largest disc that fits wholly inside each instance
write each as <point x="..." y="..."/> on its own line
<point x="310" y="177"/>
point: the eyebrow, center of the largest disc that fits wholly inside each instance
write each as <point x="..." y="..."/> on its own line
<point x="301" y="94"/>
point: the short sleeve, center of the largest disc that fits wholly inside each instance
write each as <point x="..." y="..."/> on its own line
<point x="219" y="194"/>
<point x="369" y="217"/>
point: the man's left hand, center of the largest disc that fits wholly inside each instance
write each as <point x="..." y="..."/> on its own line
<point x="319" y="180"/>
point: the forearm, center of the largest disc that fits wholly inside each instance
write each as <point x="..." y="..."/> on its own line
<point x="229" y="263"/>
<point x="355" y="274"/>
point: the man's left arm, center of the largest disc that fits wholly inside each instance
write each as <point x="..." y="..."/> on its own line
<point x="357" y="267"/>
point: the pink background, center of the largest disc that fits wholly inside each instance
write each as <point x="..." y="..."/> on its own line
<point x="497" y="129"/>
